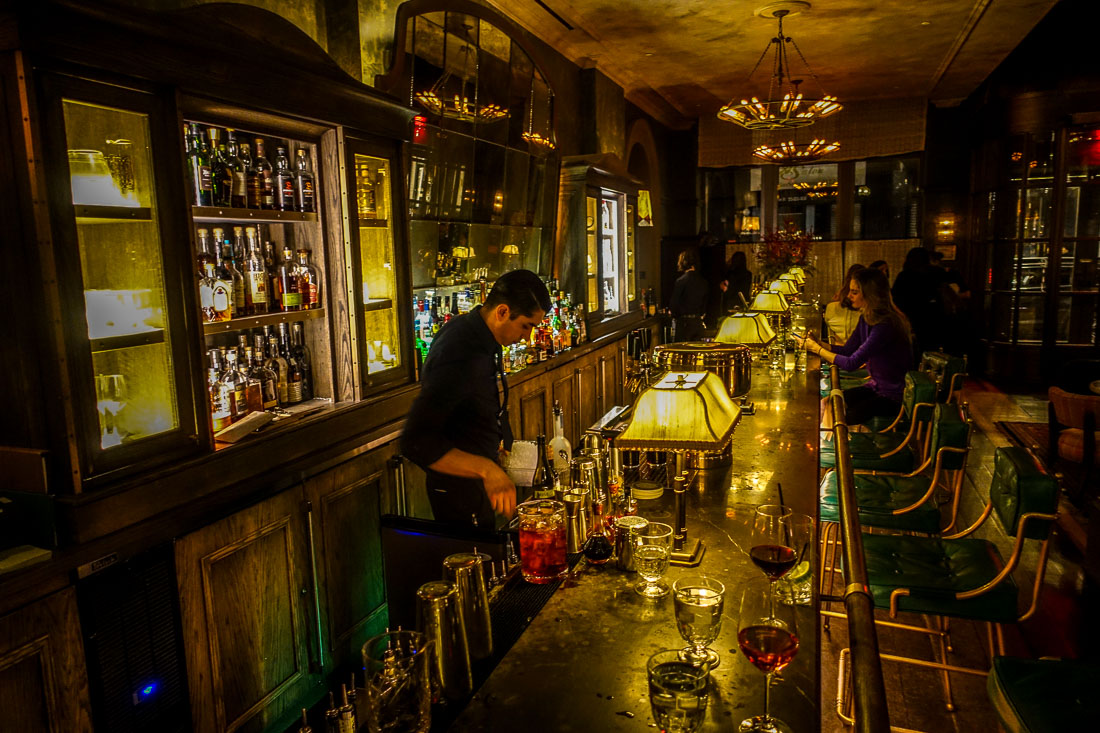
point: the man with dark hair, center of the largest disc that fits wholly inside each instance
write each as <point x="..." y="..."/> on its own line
<point x="458" y="424"/>
<point x="689" y="299"/>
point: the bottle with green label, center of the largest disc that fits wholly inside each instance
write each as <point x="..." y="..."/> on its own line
<point x="288" y="283"/>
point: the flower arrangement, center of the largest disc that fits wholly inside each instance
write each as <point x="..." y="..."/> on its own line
<point x="779" y="251"/>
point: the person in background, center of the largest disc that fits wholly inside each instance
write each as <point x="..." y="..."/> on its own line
<point x="951" y="276"/>
<point x="917" y="292"/>
<point x="881" y="341"/>
<point x="689" y="299"/>
<point x="737" y="284"/>
<point x="881" y="265"/>
<point x="458" y="426"/>
<point x="841" y="316"/>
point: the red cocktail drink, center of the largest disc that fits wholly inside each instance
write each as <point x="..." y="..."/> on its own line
<point x="542" y="540"/>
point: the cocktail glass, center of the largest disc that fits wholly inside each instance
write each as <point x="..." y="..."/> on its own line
<point x="542" y="540"/>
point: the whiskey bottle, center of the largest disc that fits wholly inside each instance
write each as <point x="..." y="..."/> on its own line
<point x="276" y="363"/>
<point x="287" y="293"/>
<point x="309" y="281"/>
<point x="255" y="276"/>
<point x="261" y="179"/>
<point x="214" y="295"/>
<point x="228" y="271"/>
<point x="254" y="386"/>
<point x="219" y="395"/>
<point x="304" y="358"/>
<point x="293" y="368"/>
<point x="252" y="185"/>
<point x="286" y="198"/>
<point x="304" y="181"/>
<point x="221" y="179"/>
<point x="238" y="195"/>
<point x="198" y="162"/>
<point x="203" y="251"/>
<point x="235" y="386"/>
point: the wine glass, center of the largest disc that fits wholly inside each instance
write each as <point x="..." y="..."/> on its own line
<point x="769" y="639"/>
<point x="652" y="548"/>
<point x="699" y="601"/>
<point x="677" y="692"/>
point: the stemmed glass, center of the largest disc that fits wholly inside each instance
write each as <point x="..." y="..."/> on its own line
<point x="769" y="639"/>
<point x="771" y="549"/>
<point x="677" y="692"/>
<point x="652" y="548"/>
<point x="698" y="601"/>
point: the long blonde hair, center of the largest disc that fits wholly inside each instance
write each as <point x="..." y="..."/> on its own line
<point x="878" y="306"/>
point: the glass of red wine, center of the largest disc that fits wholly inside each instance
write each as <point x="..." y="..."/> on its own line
<point x="772" y="549"/>
<point x="768" y="637"/>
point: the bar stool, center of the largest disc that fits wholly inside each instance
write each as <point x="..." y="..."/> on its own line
<point x="903" y="502"/>
<point x="955" y="577"/>
<point x="948" y="372"/>
<point x="891" y="449"/>
<point x="1044" y="695"/>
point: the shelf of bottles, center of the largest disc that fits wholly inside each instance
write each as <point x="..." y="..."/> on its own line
<point x="378" y="288"/>
<point x="111" y="176"/>
<point x="562" y="328"/>
<point x="261" y="293"/>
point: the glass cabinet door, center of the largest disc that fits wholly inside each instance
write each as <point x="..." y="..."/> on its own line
<point x="381" y="349"/>
<point x="133" y="399"/>
<point x="612" y="253"/>
<point x="592" y="255"/>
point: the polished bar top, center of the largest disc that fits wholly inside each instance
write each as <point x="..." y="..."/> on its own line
<point x="580" y="665"/>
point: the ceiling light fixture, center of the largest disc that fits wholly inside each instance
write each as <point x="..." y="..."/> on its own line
<point x="444" y="100"/>
<point x="785" y="106"/>
<point x="792" y="152"/>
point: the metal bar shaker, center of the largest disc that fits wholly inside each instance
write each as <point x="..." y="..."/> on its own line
<point x="466" y="571"/>
<point x="576" y="519"/>
<point x="439" y="617"/>
<point x="626" y="531"/>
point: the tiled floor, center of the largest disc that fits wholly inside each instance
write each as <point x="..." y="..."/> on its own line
<point x="915" y="695"/>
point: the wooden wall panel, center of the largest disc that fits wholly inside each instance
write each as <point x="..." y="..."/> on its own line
<point x="533" y="410"/>
<point x="563" y="391"/>
<point x="43" y="677"/>
<point x="587" y="395"/>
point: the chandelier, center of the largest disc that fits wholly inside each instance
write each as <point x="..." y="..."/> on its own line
<point x="458" y="106"/>
<point x="786" y="106"/>
<point x="537" y="139"/>
<point x="792" y="152"/>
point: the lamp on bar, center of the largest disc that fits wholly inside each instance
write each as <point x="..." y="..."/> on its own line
<point x="684" y="412"/>
<point x="786" y="287"/>
<point x="798" y="274"/>
<point x="748" y="329"/>
<point x="775" y="306"/>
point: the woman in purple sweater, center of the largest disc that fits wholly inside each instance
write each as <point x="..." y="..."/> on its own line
<point x="881" y="341"/>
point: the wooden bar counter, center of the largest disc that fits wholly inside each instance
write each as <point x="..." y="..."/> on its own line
<point x="581" y="664"/>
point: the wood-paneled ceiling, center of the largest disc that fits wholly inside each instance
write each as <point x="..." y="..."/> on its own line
<point x="679" y="59"/>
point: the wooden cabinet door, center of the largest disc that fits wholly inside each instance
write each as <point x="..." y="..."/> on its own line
<point x="588" y="399"/>
<point x="43" y="678"/>
<point x="345" y="506"/>
<point x="245" y="603"/>
<point x="609" y="379"/>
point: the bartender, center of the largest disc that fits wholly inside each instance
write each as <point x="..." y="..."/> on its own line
<point x="689" y="299"/>
<point x="458" y="426"/>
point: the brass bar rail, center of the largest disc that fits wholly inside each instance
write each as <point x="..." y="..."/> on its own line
<point x="869" y="690"/>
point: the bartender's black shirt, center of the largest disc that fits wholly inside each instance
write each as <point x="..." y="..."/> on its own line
<point x="460" y="401"/>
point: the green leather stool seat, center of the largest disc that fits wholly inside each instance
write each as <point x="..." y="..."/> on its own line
<point x="935" y="570"/>
<point x="877" y="498"/>
<point x="1044" y="695"/>
<point x="867" y="449"/>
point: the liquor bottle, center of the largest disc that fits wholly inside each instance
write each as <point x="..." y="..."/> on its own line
<point x="561" y="453"/>
<point x="214" y="295"/>
<point x="198" y="162"/>
<point x="236" y="386"/>
<point x="221" y="178"/>
<point x="261" y="180"/>
<point x="287" y="294"/>
<point x="545" y="482"/>
<point x="203" y="251"/>
<point x="238" y="194"/>
<point x="219" y="395"/>
<point x="228" y="271"/>
<point x="255" y="276"/>
<point x="304" y="358"/>
<point x="304" y="181"/>
<point x="286" y="198"/>
<point x="265" y="372"/>
<point x="277" y="364"/>
<point x="254" y="386"/>
<point x="346" y="715"/>
<point x="309" y="281"/>
<point x="332" y="716"/>
<point x="252" y="197"/>
<point x="294" y="373"/>
<point x="239" y="251"/>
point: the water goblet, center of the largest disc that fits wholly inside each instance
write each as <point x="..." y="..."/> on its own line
<point x="698" y="602"/>
<point x="652" y="548"/>
<point x="677" y="692"/>
<point x="769" y="640"/>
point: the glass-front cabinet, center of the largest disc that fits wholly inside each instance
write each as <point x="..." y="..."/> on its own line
<point x="120" y="292"/>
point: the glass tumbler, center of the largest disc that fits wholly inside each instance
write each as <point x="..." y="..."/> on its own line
<point x="542" y="540"/>
<point x="398" y="689"/>
<point x="677" y="692"/>
<point x="652" y="549"/>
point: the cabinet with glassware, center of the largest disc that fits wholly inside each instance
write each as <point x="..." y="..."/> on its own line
<point x="220" y="262"/>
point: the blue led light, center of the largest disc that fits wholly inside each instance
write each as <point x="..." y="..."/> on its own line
<point x="149" y="689"/>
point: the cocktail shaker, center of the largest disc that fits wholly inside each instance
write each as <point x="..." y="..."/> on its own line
<point x="626" y="530"/>
<point x="439" y="617"/>
<point x="466" y="571"/>
<point x="576" y="519"/>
